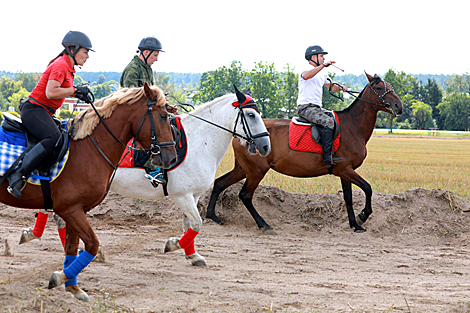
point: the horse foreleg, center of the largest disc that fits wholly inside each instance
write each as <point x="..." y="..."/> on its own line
<point x="220" y="185"/>
<point x="192" y="223"/>
<point x="347" y="194"/>
<point x="77" y="228"/>
<point x="346" y="181"/>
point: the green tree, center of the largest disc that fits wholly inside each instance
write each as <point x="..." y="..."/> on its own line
<point x="458" y="84"/>
<point x="455" y="112"/>
<point x="264" y="81"/>
<point x="28" y="81"/>
<point x="422" y="113"/>
<point x="66" y="114"/>
<point x="433" y="96"/>
<point x="219" y="82"/>
<point x="78" y="80"/>
<point x="8" y="87"/>
<point x="15" y="98"/>
<point x="289" y="91"/>
<point x="101" y="79"/>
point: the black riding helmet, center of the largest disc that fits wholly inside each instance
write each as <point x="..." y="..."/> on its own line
<point x="149" y="43"/>
<point x="75" y="40"/>
<point x="314" y="50"/>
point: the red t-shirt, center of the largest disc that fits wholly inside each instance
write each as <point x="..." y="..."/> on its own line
<point x="60" y="70"/>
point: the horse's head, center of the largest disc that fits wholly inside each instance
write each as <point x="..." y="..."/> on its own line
<point x="384" y="96"/>
<point x="153" y="129"/>
<point x="250" y="124"/>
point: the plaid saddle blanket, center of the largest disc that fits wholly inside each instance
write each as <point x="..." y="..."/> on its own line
<point x="12" y="144"/>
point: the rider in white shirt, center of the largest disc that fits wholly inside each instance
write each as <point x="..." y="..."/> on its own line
<point x="309" y="100"/>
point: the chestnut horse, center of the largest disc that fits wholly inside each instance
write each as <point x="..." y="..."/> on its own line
<point x="357" y="124"/>
<point x="95" y="150"/>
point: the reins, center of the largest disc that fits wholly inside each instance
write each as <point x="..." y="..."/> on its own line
<point x="154" y="149"/>
<point x="249" y="136"/>
<point x="381" y="97"/>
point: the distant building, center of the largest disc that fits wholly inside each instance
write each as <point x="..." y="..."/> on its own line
<point x="70" y="103"/>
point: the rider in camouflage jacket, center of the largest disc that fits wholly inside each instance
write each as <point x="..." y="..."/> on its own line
<point x="136" y="73"/>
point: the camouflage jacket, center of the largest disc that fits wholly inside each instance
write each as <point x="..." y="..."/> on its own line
<point x="136" y="73"/>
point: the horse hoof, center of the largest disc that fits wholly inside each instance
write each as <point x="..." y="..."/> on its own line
<point x="359" y="229"/>
<point x="359" y="220"/>
<point x="27" y="235"/>
<point x="78" y="293"/>
<point x="172" y="245"/>
<point x="215" y="219"/>
<point x="268" y="230"/>
<point x="58" y="278"/>
<point x="196" y="259"/>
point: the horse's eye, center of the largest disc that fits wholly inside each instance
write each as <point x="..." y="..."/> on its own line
<point x="251" y="115"/>
<point x="163" y="116"/>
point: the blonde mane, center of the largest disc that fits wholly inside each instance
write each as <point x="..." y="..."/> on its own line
<point x="87" y="120"/>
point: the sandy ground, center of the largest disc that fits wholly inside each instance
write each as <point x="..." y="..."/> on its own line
<point x="413" y="257"/>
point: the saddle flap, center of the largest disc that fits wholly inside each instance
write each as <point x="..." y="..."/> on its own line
<point x="12" y="123"/>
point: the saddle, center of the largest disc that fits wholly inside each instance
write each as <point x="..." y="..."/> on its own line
<point x="137" y="160"/>
<point x="13" y="126"/>
<point x="301" y="139"/>
<point x="11" y="123"/>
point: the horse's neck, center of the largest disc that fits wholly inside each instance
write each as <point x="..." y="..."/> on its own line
<point x="363" y="118"/>
<point x="198" y="131"/>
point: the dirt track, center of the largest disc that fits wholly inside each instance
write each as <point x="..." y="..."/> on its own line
<point x="413" y="258"/>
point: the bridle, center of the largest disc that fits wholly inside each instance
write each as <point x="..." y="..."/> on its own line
<point x="155" y="148"/>
<point x="384" y="104"/>
<point x="249" y="137"/>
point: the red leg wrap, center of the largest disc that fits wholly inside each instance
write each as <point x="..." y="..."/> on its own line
<point x="62" y="234"/>
<point x="190" y="249"/>
<point x="187" y="238"/>
<point x="40" y="224"/>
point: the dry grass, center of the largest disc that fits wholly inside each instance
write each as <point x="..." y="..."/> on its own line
<point x="393" y="165"/>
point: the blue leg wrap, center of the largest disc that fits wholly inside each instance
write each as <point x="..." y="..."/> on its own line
<point x="78" y="265"/>
<point x="156" y="171"/>
<point x="69" y="260"/>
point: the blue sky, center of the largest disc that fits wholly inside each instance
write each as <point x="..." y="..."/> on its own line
<point x="425" y="37"/>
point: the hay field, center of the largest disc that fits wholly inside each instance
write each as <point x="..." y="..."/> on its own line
<point x="393" y="165"/>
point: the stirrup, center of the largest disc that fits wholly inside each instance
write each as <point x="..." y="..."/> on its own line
<point x="156" y="180"/>
<point x="11" y="188"/>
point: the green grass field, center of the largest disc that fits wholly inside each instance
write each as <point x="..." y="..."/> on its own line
<point x="394" y="164"/>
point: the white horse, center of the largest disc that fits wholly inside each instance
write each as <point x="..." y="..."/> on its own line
<point x="207" y="144"/>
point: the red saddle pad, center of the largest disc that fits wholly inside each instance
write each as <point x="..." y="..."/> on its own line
<point x="300" y="139"/>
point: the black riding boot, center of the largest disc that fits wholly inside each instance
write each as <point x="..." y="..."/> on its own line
<point x="27" y="165"/>
<point x="327" y="145"/>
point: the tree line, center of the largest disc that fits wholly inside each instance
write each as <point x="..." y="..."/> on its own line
<point x="440" y="102"/>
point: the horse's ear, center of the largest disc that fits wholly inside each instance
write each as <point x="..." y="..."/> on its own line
<point x="248" y="92"/>
<point x="240" y="96"/>
<point x="149" y="92"/>
<point x="369" y="78"/>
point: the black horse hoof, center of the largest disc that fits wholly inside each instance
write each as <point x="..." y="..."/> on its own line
<point x="359" y="229"/>
<point x="360" y="219"/>
<point x="214" y="218"/>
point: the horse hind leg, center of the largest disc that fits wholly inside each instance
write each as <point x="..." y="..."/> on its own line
<point x="246" y="196"/>
<point x="220" y="184"/>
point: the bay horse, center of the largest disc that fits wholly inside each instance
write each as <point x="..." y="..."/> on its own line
<point x="208" y="134"/>
<point x="356" y="127"/>
<point x="96" y="146"/>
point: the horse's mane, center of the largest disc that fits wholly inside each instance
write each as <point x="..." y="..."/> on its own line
<point x="208" y="105"/>
<point x="87" y="120"/>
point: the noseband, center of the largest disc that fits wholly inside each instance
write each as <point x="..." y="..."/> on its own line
<point x="249" y="138"/>
<point x="155" y="148"/>
<point x="384" y="104"/>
